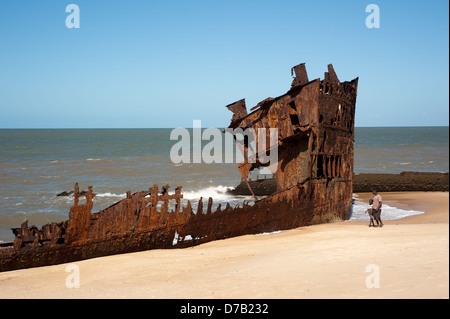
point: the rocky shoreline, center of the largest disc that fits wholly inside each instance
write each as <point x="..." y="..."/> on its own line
<point x="403" y="182"/>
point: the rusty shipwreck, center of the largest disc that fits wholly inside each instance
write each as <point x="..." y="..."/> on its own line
<point x="315" y="121"/>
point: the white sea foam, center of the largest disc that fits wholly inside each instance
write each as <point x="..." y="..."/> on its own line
<point x="218" y="193"/>
<point x="387" y="212"/>
<point x="69" y="198"/>
<point x="93" y="159"/>
<point x="107" y="194"/>
<point x="49" y="176"/>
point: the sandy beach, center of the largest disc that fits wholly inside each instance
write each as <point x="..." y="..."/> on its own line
<point x="407" y="258"/>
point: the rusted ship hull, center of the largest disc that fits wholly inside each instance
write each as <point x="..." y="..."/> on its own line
<point x="279" y="211"/>
<point x="314" y="185"/>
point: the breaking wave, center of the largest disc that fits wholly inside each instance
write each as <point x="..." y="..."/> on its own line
<point x="216" y="192"/>
<point x="387" y="212"/>
<point x="107" y="194"/>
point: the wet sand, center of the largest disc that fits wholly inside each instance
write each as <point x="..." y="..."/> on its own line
<point x="410" y="257"/>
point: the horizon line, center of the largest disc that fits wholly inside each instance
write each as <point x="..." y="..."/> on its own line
<point x="169" y="128"/>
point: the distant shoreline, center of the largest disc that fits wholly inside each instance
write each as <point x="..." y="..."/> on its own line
<point x="403" y="182"/>
<point x="365" y="182"/>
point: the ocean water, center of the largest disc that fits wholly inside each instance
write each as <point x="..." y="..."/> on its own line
<point x="387" y="212"/>
<point x="399" y="149"/>
<point x="35" y="165"/>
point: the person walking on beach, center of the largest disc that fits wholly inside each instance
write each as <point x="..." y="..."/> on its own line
<point x="370" y="212"/>
<point x="377" y="203"/>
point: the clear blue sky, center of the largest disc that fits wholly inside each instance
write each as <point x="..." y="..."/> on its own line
<point x="134" y="64"/>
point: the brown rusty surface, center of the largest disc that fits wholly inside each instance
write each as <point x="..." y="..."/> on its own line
<point x="315" y="121"/>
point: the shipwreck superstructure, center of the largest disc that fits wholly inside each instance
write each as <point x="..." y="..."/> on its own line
<point x="315" y="122"/>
